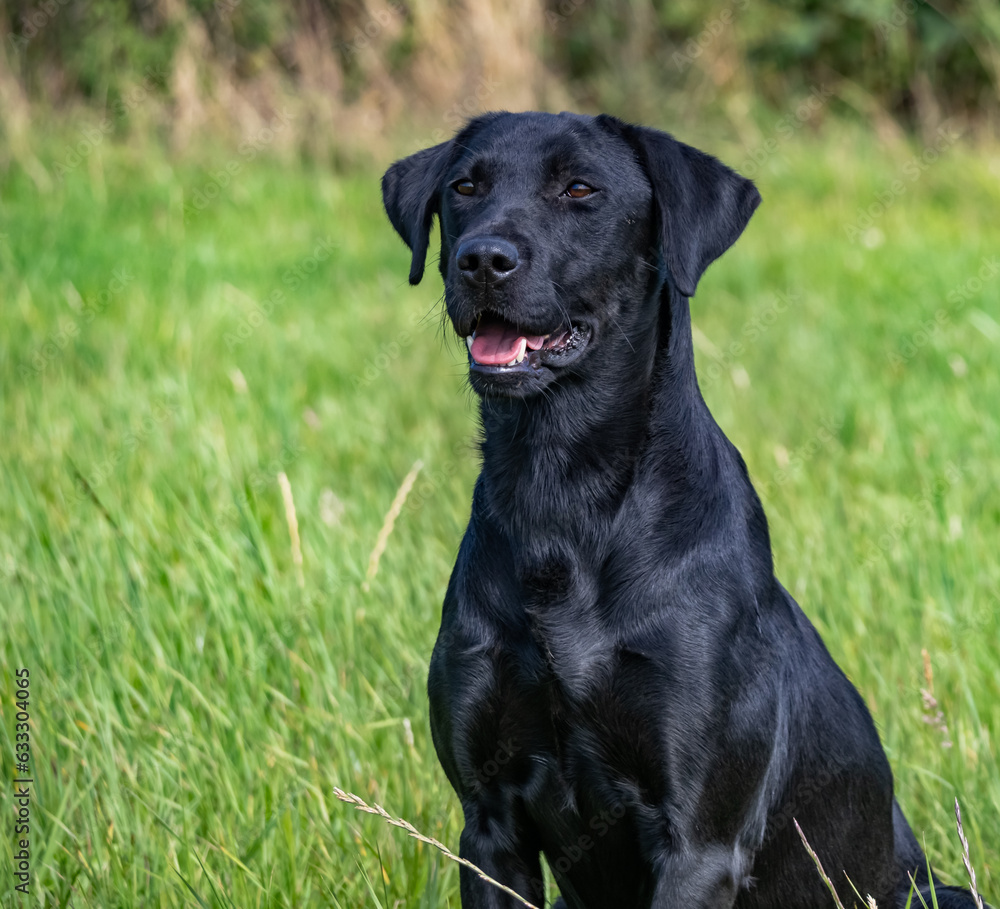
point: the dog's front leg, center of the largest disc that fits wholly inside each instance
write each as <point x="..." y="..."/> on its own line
<point x="698" y="877"/>
<point x="495" y="840"/>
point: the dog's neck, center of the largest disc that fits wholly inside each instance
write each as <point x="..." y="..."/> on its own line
<point x="561" y="463"/>
<point x="564" y="454"/>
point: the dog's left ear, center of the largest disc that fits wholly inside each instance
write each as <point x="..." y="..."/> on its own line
<point x="702" y="204"/>
<point x="410" y="193"/>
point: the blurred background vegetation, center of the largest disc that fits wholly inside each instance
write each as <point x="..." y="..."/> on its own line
<point x="349" y="73"/>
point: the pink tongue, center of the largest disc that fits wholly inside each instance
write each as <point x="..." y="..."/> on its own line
<point x="497" y="342"/>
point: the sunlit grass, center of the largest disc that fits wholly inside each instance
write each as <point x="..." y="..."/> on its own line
<point x="194" y="706"/>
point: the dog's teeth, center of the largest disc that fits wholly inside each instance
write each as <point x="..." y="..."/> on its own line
<point x="521" y="350"/>
<point x="468" y="341"/>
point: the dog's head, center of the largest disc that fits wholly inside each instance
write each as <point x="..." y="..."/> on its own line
<point x="557" y="234"/>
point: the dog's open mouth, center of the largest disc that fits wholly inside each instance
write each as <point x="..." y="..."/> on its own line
<point x="497" y="344"/>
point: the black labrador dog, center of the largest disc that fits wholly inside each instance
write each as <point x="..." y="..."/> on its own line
<point x="620" y="681"/>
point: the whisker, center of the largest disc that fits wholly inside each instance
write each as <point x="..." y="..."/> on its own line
<point x="622" y="330"/>
<point x="556" y="287"/>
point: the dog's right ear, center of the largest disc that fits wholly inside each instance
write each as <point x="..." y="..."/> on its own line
<point x="411" y="191"/>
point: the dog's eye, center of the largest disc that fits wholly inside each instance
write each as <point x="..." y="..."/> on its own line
<point x="465" y="187"/>
<point x="578" y="190"/>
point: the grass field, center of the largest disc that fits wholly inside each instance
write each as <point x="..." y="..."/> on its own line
<point x="167" y="349"/>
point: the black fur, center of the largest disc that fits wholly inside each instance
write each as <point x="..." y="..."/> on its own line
<point x="620" y="682"/>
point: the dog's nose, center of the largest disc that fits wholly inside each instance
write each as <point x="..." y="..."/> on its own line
<point x="486" y="260"/>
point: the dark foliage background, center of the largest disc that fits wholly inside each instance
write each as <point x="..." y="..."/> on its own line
<point x="353" y="67"/>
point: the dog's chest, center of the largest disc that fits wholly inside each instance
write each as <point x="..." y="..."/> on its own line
<point x="595" y="690"/>
<point x="591" y="728"/>
<point x="561" y="599"/>
<point x="544" y="664"/>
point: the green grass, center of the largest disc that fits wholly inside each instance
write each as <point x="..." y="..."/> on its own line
<point x="193" y="707"/>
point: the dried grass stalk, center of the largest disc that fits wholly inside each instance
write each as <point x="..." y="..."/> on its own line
<point x="361" y="805"/>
